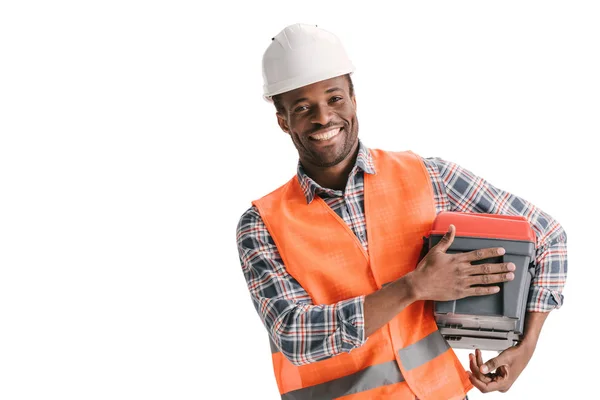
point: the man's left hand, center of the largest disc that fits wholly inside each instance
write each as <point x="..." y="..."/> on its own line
<point x="500" y="372"/>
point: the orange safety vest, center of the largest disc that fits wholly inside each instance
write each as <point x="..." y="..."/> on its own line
<point x="408" y="356"/>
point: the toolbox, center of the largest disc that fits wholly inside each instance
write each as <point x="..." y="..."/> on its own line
<point x="496" y="321"/>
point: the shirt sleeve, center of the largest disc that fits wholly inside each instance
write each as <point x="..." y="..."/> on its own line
<point x="466" y="192"/>
<point x="302" y="331"/>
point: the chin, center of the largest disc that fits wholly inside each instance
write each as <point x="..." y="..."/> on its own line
<point x="329" y="161"/>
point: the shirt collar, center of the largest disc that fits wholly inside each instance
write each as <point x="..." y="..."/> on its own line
<point x="364" y="162"/>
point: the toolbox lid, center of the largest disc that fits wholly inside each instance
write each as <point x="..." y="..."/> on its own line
<point x="494" y="226"/>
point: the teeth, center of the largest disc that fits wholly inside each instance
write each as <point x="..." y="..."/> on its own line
<point x="326" y="135"/>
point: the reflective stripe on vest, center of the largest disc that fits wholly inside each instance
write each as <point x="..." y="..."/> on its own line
<point x="387" y="373"/>
<point x="366" y="379"/>
<point x="423" y="351"/>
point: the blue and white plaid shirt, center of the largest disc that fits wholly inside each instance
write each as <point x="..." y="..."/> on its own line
<point x="307" y="332"/>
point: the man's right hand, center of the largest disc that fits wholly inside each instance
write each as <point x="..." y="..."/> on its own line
<point x="441" y="276"/>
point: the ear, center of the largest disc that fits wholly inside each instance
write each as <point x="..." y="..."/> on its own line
<point x="354" y="101"/>
<point x="283" y="123"/>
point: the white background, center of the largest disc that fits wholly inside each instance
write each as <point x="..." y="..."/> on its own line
<point x="133" y="136"/>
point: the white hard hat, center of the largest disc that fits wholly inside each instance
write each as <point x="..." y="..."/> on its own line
<point x="300" y="55"/>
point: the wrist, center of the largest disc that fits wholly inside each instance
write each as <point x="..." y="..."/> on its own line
<point x="411" y="282"/>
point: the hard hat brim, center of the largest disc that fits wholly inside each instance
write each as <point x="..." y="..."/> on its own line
<point x="295" y="83"/>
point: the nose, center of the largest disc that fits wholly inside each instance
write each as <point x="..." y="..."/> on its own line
<point x="321" y="114"/>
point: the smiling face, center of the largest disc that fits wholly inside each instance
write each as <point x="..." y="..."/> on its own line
<point x="321" y="120"/>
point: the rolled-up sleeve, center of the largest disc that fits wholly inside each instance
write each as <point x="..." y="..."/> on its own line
<point x="467" y="192"/>
<point x="304" y="332"/>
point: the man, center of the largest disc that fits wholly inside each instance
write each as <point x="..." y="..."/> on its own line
<point x="332" y="258"/>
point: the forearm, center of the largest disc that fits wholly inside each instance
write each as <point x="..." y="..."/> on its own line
<point x="533" y="326"/>
<point x="306" y="333"/>
<point x="383" y="305"/>
<point x="348" y="324"/>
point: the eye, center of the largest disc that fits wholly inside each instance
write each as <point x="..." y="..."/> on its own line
<point x="300" y="109"/>
<point x="336" y="99"/>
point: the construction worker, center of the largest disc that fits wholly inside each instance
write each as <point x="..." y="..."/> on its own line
<point x="332" y="258"/>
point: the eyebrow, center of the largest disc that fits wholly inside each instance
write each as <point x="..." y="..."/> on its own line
<point x="333" y="89"/>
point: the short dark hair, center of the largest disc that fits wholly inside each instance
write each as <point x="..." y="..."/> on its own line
<point x="281" y="110"/>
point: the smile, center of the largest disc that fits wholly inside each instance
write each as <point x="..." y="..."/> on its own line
<point x="322" y="136"/>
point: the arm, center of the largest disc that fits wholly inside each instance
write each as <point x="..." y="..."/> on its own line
<point x="467" y="192"/>
<point x="458" y="189"/>
<point x="303" y="331"/>
<point x="306" y="333"/>
<point x="438" y="276"/>
<point x="384" y="304"/>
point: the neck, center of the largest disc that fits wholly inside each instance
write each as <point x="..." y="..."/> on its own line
<point x="336" y="176"/>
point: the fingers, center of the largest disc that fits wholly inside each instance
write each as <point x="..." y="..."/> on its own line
<point x="479" y="357"/>
<point x="503" y="372"/>
<point x="482" y="254"/>
<point x="474" y="364"/>
<point x="446" y="240"/>
<point x="480" y="291"/>
<point x="483" y="386"/>
<point x="489" y="381"/>
<point x="497" y="268"/>
<point x="491" y="278"/>
<point x="494" y="363"/>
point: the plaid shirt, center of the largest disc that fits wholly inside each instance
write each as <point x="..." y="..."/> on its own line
<point x="307" y="332"/>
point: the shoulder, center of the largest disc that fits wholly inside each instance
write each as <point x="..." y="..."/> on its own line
<point x="437" y="163"/>
<point x="430" y="162"/>
<point x="251" y="217"/>
<point x="249" y="224"/>
<point x="445" y="169"/>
